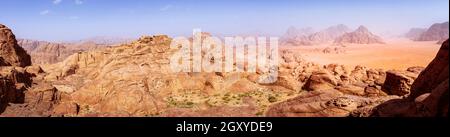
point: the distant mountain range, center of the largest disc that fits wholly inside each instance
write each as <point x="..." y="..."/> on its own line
<point x="338" y="34"/>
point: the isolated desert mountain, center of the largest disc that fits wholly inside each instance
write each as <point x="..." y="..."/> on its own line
<point x="10" y="52"/>
<point x="329" y="34"/>
<point x="362" y="35"/>
<point x="415" y="33"/>
<point x="43" y="52"/>
<point x="436" y="32"/>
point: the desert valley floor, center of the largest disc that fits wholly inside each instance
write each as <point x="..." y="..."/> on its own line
<point x="395" y="54"/>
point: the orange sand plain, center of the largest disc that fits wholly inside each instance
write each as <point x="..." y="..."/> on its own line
<point x="396" y="54"/>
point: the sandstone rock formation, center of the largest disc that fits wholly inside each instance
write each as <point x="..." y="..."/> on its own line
<point x="325" y="103"/>
<point x="436" y="32"/>
<point x="14" y="79"/>
<point x="10" y="52"/>
<point x="136" y="80"/>
<point x="399" y="82"/>
<point x="362" y="35"/>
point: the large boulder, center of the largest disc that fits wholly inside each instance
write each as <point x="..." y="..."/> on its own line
<point x="320" y="80"/>
<point x="398" y="82"/>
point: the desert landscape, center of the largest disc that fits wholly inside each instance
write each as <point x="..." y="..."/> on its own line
<point x="335" y="72"/>
<point x="383" y="56"/>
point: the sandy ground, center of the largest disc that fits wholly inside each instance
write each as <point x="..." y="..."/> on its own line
<point x="396" y="54"/>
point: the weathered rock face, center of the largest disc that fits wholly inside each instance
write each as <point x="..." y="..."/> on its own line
<point x="360" y="36"/>
<point x="321" y="80"/>
<point x="136" y="80"/>
<point x="436" y="32"/>
<point x="325" y="103"/>
<point x="429" y="93"/>
<point x="434" y="74"/>
<point x="14" y="79"/>
<point x="399" y="82"/>
<point x="8" y="93"/>
<point x="11" y="54"/>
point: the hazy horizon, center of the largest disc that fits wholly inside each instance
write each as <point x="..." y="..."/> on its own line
<point x="68" y="20"/>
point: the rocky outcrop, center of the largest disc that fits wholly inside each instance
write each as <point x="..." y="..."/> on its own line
<point x="429" y="93"/>
<point x="325" y="103"/>
<point x="14" y="78"/>
<point x="8" y="93"/>
<point x="399" y="82"/>
<point x="320" y="80"/>
<point x="436" y="32"/>
<point x="433" y="75"/>
<point x="11" y="54"/>
<point x="362" y="35"/>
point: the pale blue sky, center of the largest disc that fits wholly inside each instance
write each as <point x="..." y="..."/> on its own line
<point x="59" y="20"/>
